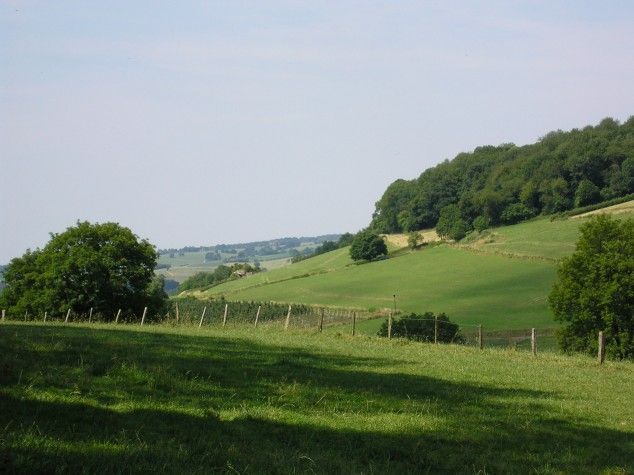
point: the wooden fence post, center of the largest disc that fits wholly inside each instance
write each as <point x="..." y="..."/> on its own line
<point x="26" y="314"/>
<point x="67" y="316"/>
<point x="4" y="312"/>
<point x="601" y="355"/>
<point x="257" y="316"/>
<point x="45" y="315"/>
<point x="288" y="318"/>
<point x="533" y="342"/>
<point x="435" y="328"/>
<point x="389" y="326"/>
<point x="321" y="319"/>
<point x="480" y="336"/>
<point x="143" y="317"/>
<point x="116" y="320"/>
<point x="90" y="316"/>
<point x="202" y="317"/>
<point x="224" y="318"/>
<point x="354" y="322"/>
<point x="177" y="315"/>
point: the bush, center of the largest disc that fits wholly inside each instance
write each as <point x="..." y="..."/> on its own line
<point x="421" y="328"/>
<point x="594" y="290"/>
<point x="367" y="246"/>
<point x="414" y="239"/>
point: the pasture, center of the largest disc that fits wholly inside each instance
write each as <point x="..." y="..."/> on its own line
<point x="499" y="278"/>
<point x="106" y="399"/>
<point x="471" y="288"/>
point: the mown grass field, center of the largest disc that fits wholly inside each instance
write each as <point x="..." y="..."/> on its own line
<point x="500" y="279"/>
<point x="105" y="399"/>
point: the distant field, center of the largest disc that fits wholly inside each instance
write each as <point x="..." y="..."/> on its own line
<point x="105" y="399"/>
<point x="193" y="262"/>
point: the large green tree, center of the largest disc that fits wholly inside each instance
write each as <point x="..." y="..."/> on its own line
<point x="99" y="266"/>
<point x="450" y="224"/>
<point x="595" y="289"/>
<point x="367" y="245"/>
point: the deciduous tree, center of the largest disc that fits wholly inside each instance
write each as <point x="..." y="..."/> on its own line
<point x="595" y="289"/>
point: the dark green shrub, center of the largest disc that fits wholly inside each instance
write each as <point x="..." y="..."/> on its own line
<point x="421" y="328"/>
<point x="367" y="245"/>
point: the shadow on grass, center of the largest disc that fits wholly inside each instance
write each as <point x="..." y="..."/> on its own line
<point x="333" y="401"/>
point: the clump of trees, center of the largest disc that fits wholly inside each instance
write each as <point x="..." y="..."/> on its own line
<point x="219" y="275"/>
<point x="101" y="266"/>
<point x="326" y="246"/>
<point x="367" y="246"/>
<point x="422" y="327"/>
<point x="594" y="290"/>
<point x="506" y="184"/>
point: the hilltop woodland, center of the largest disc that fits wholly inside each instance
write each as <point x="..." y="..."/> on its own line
<point x="506" y="184"/>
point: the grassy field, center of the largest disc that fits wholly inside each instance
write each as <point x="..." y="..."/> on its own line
<point x="323" y="263"/>
<point x="107" y="399"/>
<point x="471" y="288"/>
<point x="500" y="278"/>
<point x="540" y="238"/>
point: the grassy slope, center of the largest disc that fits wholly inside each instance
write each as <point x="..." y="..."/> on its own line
<point x="328" y="262"/>
<point x="471" y="288"/>
<point x="500" y="279"/>
<point x="100" y="400"/>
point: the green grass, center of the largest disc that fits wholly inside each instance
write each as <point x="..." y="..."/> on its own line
<point x="471" y="288"/>
<point x="323" y="263"/>
<point x="541" y="238"/>
<point x="500" y="279"/>
<point x="107" y="399"/>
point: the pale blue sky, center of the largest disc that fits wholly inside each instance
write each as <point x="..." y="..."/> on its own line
<point x="207" y="122"/>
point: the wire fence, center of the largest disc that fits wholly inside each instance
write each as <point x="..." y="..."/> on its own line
<point x="432" y="329"/>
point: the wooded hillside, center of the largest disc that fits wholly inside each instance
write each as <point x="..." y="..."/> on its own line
<point x="505" y="184"/>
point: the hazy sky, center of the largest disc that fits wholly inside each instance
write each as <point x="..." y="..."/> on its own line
<point x="208" y="122"/>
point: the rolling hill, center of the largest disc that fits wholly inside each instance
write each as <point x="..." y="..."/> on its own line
<point x="499" y="278"/>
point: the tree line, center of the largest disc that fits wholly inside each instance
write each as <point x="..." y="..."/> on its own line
<point x="220" y="274"/>
<point x="506" y="184"/>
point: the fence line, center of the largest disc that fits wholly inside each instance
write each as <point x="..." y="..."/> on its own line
<point x="316" y="318"/>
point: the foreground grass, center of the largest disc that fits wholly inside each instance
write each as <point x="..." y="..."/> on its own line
<point x="119" y="399"/>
